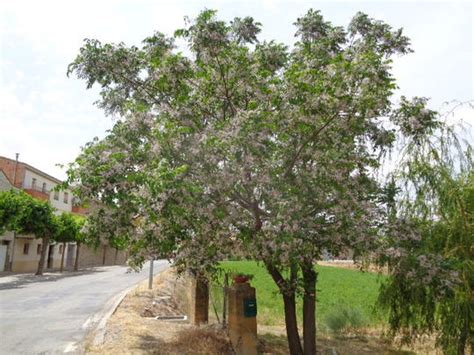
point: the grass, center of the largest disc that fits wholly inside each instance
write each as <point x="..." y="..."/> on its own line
<point x="337" y="290"/>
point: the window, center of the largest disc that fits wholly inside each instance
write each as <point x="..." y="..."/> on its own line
<point x="56" y="195"/>
<point x="66" y="197"/>
<point x="26" y="248"/>
<point x="38" y="249"/>
<point x="33" y="183"/>
<point x="60" y="249"/>
<point x="44" y="187"/>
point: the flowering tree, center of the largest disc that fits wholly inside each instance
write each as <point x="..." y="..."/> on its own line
<point x="246" y="144"/>
<point x="137" y="197"/>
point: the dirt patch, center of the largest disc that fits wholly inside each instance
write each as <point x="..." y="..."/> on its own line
<point x="354" y="345"/>
<point x="131" y="329"/>
<point x="349" y="264"/>
<point x="272" y="340"/>
<point x="345" y="264"/>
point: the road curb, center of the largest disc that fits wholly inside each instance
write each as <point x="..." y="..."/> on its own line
<point x="96" y="324"/>
<point x="110" y="308"/>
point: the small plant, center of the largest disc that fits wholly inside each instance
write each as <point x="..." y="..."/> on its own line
<point x="344" y="318"/>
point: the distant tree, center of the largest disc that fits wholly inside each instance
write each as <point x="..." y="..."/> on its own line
<point x="69" y="231"/>
<point x="82" y="238"/>
<point x="26" y="215"/>
<point x="10" y="209"/>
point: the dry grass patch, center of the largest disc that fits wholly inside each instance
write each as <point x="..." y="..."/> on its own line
<point x="206" y="340"/>
<point x="131" y="330"/>
<point x="272" y="340"/>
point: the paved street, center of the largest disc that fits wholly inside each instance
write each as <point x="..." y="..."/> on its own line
<point x="53" y="313"/>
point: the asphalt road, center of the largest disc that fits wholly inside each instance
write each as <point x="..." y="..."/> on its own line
<point x="52" y="314"/>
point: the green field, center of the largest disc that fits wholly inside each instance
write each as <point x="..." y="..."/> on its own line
<point x="337" y="290"/>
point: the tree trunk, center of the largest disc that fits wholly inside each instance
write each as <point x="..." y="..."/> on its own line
<point x="76" y="261"/>
<point x="463" y="338"/>
<point x="104" y="254"/>
<point x="289" y="300"/>
<point x="461" y="346"/>
<point x="309" y="308"/>
<point x="62" y="258"/>
<point x="292" y="325"/>
<point x="44" y="248"/>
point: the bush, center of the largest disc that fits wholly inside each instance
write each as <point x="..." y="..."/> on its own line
<point x="344" y="318"/>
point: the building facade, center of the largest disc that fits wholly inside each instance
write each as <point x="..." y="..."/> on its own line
<point x="21" y="253"/>
<point x="6" y="240"/>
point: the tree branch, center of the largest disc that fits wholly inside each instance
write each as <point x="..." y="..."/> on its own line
<point x="303" y="145"/>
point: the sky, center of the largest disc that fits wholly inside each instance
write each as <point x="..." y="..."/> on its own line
<point x="46" y="116"/>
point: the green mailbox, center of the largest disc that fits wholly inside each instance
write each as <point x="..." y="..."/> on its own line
<point x="250" y="307"/>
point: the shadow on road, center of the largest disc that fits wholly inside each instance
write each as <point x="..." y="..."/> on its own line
<point x="21" y="280"/>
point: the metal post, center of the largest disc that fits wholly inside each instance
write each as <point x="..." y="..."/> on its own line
<point x="150" y="280"/>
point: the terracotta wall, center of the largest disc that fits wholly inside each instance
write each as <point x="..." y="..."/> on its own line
<point x="8" y="168"/>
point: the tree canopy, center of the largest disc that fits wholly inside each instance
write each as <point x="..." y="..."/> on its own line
<point x="69" y="228"/>
<point x="431" y="270"/>
<point x="24" y="214"/>
<point x="247" y="145"/>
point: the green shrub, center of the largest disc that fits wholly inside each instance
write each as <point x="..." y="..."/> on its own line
<point x="344" y="318"/>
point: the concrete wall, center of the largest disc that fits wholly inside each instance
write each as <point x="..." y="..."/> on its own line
<point x="25" y="262"/>
<point x="88" y="257"/>
<point x="103" y="255"/>
<point x="29" y="262"/>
